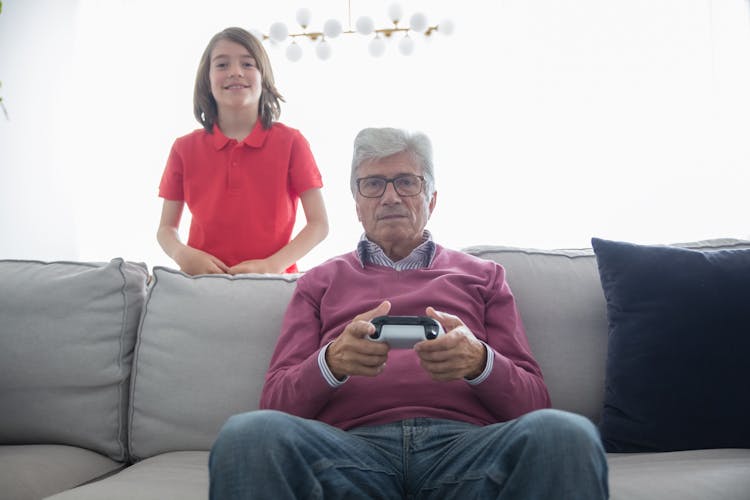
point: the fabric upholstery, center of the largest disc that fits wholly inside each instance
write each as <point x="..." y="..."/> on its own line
<point x="66" y="343"/>
<point x="181" y="475"/>
<point x="687" y="475"/>
<point x="203" y="350"/>
<point x="563" y="310"/>
<point x="31" y="472"/>
<point x="196" y="365"/>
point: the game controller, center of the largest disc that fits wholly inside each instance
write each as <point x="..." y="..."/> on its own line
<point x="402" y="332"/>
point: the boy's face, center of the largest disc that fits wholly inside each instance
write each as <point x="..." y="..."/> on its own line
<point x="235" y="79"/>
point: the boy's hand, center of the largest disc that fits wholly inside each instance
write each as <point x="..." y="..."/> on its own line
<point x="261" y="266"/>
<point x="193" y="261"/>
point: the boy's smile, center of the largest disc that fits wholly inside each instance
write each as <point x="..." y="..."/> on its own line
<point x="234" y="76"/>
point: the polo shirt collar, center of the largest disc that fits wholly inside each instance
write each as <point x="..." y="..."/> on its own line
<point x="256" y="139"/>
<point x="220" y="140"/>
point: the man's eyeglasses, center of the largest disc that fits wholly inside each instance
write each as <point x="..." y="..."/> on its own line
<point x="405" y="185"/>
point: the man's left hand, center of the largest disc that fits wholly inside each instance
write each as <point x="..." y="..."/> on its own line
<point x="456" y="355"/>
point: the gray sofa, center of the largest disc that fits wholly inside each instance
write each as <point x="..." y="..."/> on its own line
<point x="112" y="388"/>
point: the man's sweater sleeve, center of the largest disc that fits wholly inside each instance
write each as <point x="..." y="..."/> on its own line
<point x="515" y="386"/>
<point x="294" y="382"/>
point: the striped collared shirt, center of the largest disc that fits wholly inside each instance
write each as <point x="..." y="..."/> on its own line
<point x="420" y="258"/>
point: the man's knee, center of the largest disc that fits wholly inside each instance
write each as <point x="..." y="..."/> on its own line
<point x="251" y="428"/>
<point x="551" y="419"/>
<point x="561" y="429"/>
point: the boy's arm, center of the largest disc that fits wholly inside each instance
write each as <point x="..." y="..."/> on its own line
<point x="190" y="260"/>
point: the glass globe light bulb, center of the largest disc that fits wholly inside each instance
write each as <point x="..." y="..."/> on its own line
<point x="332" y="28"/>
<point x="294" y="52"/>
<point x="323" y="50"/>
<point x="446" y="27"/>
<point x="406" y="46"/>
<point x="365" y="25"/>
<point x="376" y="47"/>
<point x="418" y="22"/>
<point x="395" y="12"/>
<point x="278" y="32"/>
<point x="304" y="16"/>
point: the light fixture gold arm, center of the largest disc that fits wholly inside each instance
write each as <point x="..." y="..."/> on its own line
<point x="314" y="35"/>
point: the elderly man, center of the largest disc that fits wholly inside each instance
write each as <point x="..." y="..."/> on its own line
<point x="462" y="415"/>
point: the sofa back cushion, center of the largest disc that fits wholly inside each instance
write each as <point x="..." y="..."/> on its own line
<point x="67" y="332"/>
<point x="563" y="309"/>
<point x="203" y="350"/>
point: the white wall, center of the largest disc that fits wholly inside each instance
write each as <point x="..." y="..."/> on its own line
<point x="36" y="205"/>
<point x="553" y="120"/>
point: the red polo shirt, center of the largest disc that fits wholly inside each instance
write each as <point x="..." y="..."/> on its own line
<point x="242" y="195"/>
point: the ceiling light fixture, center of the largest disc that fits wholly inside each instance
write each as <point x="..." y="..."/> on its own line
<point x="332" y="28"/>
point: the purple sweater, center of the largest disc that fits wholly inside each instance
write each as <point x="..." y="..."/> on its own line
<point x="329" y="296"/>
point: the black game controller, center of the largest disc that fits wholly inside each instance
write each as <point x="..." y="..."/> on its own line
<point x="402" y="332"/>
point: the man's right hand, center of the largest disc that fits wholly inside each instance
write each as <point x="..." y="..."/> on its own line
<point x="352" y="353"/>
<point x="194" y="261"/>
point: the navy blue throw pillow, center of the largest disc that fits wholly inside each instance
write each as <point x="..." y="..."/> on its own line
<point x="678" y="365"/>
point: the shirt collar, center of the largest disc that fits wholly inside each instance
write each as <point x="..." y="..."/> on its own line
<point x="420" y="258"/>
<point x="256" y="139"/>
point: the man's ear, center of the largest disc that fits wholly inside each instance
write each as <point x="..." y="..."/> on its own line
<point x="433" y="201"/>
<point x="359" y="213"/>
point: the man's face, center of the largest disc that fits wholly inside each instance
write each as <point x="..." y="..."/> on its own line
<point x="393" y="221"/>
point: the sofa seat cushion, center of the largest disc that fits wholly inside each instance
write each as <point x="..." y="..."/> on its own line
<point x="203" y="349"/>
<point x="180" y="475"/>
<point x="720" y="474"/>
<point x="67" y="332"/>
<point x="31" y="472"/>
<point x="679" y="339"/>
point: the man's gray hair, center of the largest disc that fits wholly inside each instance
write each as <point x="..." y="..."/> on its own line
<point x="378" y="143"/>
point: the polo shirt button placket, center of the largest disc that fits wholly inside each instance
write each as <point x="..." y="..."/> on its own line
<point x="234" y="165"/>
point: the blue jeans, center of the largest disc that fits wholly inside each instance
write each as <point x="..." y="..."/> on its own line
<point x="546" y="454"/>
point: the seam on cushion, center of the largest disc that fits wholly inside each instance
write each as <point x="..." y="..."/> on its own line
<point x="132" y="458"/>
<point x="290" y="278"/>
<point x="123" y="324"/>
<point x="709" y="245"/>
<point x="481" y="251"/>
<point x="570" y="253"/>
<point x="95" y="265"/>
<point x="122" y="426"/>
<point x="102" y="477"/>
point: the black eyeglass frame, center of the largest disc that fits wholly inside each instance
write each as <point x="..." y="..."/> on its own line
<point x="390" y="181"/>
